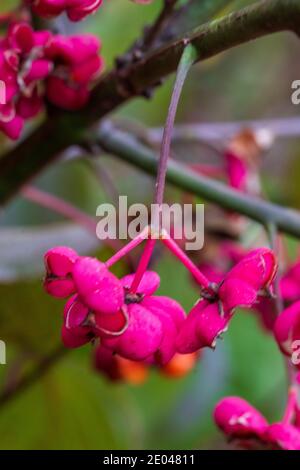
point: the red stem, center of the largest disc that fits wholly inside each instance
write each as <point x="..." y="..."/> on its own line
<point x="143" y="264"/>
<point x="59" y="206"/>
<point x="207" y="170"/>
<point x="185" y="260"/>
<point x="64" y="208"/>
<point x="289" y="413"/>
<point x="127" y="248"/>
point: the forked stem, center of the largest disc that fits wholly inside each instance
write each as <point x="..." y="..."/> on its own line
<point x="187" y="60"/>
<point x="143" y="265"/>
<point x="127" y="248"/>
<point x="185" y="260"/>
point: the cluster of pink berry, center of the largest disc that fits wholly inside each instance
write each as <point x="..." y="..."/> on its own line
<point x="137" y="329"/>
<point x="39" y="65"/>
<point x="35" y="65"/>
<point x="133" y="328"/>
<point x="137" y="325"/>
<point x="243" y="423"/>
<point x="242" y="286"/>
<point x="119" y="369"/>
<point x="75" y="9"/>
<point x="286" y="327"/>
<point x="234" y="416"/>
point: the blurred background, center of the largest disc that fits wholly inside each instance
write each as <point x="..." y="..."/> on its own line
<point x="71" y="406"/>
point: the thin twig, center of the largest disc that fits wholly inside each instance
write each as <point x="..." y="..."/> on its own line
<point x="103" y="176"/>
<point x="60" y="206"/>
<point x="222" y="131"/>
<point x="128" y="148"/>
<point x="32" y="377"/>
<point x="153" y="33"/>
<point x="185" y="64"/>
<point x="273" y="238"/>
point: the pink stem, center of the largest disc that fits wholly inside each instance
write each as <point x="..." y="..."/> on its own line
<point x="290" y="407"/>
<point x="143" y="264"/>
<point x="273" y="238"/>
<point x="64" y="208"/>
<point x="207" y="170"/>
<point x="127" y="248"/>
<point x="60" y="206"/>
<point x="185" y="260"/>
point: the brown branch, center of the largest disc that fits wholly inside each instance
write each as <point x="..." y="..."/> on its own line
<point x="154" y="32"/>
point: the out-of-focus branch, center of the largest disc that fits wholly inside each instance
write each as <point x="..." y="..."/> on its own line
<point x="128" y="148"/>
<point x="220" y="131"/>
<point x="66" y="209"/>
<point x="25" y="381"/>
<point x="60" y="206"/>
<point x="153" y="33"/>
<point x="193" y="13"/>
<point x="64" y="129"/>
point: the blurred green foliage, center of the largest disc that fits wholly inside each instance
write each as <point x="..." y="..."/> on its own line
<point x="73" y="408"/>
<point x="8" y="4"/>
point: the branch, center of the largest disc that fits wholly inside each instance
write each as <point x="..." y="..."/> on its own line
<point x="154" y="35"/>
<point x="158" y="26"/>
<point x="221" y="131"/>
<point x="63" y="129"/>
<point x="60" y="206"/>
<point x="128" y="148"/>
<point x="193" y="13"/>
<point x="32" y="377"/>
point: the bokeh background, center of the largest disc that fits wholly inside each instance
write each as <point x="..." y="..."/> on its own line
<point x="71" y="406"/>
